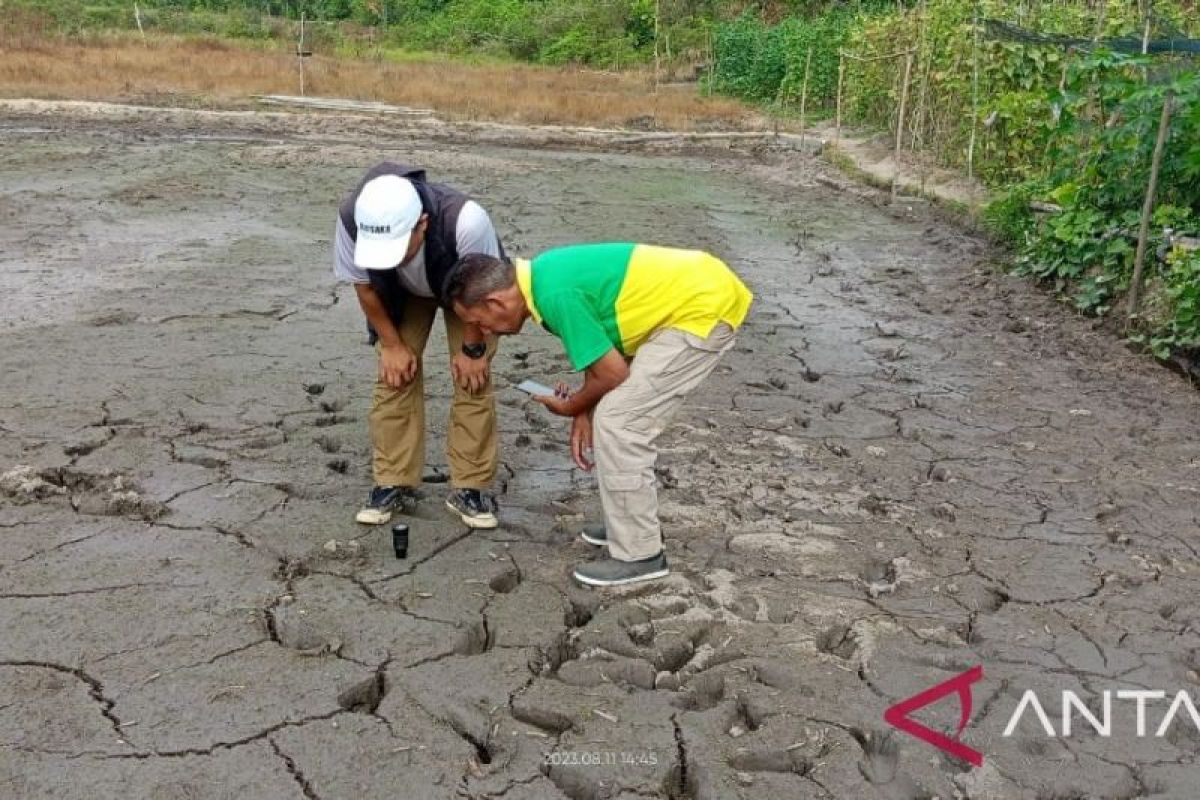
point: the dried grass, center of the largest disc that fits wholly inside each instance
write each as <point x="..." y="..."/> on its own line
<point x="211" y="71"/>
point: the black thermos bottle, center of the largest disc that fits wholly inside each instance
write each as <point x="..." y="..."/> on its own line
<point x="400" y="540"/>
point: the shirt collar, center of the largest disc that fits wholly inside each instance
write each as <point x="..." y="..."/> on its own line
<point x="524" y="270"/>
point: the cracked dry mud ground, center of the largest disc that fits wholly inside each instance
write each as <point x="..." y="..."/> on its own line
<point x="910" y="465"/>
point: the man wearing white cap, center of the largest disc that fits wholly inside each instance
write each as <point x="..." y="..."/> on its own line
<point x="397" y="238"/>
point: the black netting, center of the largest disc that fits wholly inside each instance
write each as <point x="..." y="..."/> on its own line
<point x="996" y="29"/>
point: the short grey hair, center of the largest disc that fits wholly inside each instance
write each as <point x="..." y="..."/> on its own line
<point x="477" y="275"/>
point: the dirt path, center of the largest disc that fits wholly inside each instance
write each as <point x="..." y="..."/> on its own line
<point x="910" y="466"/>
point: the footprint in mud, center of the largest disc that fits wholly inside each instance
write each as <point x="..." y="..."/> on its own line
<point x="475" y="639"/>
<point x="329" y="444"/>
<point x="332" y="419"/>
<point x="632" y="672"/>
<point x="879" y="577"/>
<point x="838" y="641"/>
<point x="881" y="754"/>
<point x="505" y="581"/>
<point x="705" y="691"/>
<point x="364" y="696"/>
<point x="771" y="760"/>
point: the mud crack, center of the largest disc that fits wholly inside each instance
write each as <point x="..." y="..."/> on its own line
<point x="295" y="772"/>
<point x="95" y="689"/>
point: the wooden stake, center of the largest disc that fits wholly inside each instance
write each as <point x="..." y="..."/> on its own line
<point x="837" y="127"/>
<point x="656" y="59"/>
<point x="974" y="92"/>
<point x="908" y="59"/>
<point x="1146" y="33"/>
<point x="804" y="93"/>
<point x="1135" y="284"/>
<point x="137" y="14"/>
<point x="1100" y="19"/>
<point x="300" y="53"/>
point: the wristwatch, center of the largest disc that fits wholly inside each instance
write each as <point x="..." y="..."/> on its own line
<point x="477" y="350"/>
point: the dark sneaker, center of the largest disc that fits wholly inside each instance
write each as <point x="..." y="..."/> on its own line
<point x="383" y="501"/>
<point x="594" y="534"/>
<point x="610" y="572"/>
<point x="477" y="509"/>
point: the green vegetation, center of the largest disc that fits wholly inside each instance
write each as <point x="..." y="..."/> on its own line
<point x="1067" y="127"/>
<point x="757" y="61"/>
<point x="1071" y="128"/>
<point x="1097" y="165"/>
<point x="601" y="33"/>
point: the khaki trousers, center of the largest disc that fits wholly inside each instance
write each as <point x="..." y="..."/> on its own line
<point x="629" y="419"/>
<point x="398" y="415"/>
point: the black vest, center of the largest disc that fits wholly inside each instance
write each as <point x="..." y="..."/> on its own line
<point x="443" y="205"/>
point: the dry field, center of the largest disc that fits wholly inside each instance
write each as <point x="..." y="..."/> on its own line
<point x="910" y="466"/>
<point x="209" y="72"/>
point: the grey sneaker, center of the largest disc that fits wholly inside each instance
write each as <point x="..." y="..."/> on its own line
<point x="384" y="500"/>
<point x="477" y="509"/>
<point x="611" y="572"/>
<point x="594" y="534"/>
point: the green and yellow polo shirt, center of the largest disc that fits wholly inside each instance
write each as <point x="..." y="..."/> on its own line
<point x="598" y="296"/>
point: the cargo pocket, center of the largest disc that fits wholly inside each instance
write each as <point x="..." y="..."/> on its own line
<point x="623" y="482"/>
<point x="635" y="505"/>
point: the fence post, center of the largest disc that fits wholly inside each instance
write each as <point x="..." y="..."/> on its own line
<point x="837" y="128"/>
<point x="137" y="14"/>
<point x="656" y="56"/>
<point x="908" y="59"/>
<point x="804" y="93"/>
<point x="300" y="53"/>
<point x="1139" y="259"/>
<point x="974" y="92"/>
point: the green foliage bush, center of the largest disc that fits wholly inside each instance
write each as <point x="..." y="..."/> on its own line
<point x="763" y="62"/>
<point x="604" y="33"/>
<point x="1099" y="152"/>
<point x="1071" y="127"/>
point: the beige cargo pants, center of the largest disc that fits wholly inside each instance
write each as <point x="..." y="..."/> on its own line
<point x="398" y="415"/>
<point x="629" y="419"/>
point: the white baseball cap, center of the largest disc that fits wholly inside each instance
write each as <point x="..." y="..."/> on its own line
<point x="387" y="210"/>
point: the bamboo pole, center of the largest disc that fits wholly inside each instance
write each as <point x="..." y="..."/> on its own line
<point x="974" y="92"/>
<point x="137" y="14"/>
<point x="1135" y="284"/>
<point x="837" y="129"/>
<point x="300" y="53"/>
<point x="804" y="92"/>
<point x="1146" y="31"/>
<point x="923" y="66"/>
<point x="869" y="59"/>
<point x="657" y="64"/>
<point x="1100" y="20"/>
<point x="908" y="59"/>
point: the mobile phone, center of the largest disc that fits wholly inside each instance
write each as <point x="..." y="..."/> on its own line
<point x="535" y="388"/>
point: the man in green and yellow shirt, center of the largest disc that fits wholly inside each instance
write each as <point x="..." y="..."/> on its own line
<point x="646" y="325"/>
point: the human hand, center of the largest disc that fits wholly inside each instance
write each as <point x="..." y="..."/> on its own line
<point x="581" y="442"/>
<point x="558" y="404"/>
<point x="397" y="365"/>
<point x="470" y="374"/>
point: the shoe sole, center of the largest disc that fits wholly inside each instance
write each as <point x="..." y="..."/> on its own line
<point x="593" y="540"/>
<point x="372" y="516"/>
<point x="485" y="524"/>
<point x="649" y="576"/>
